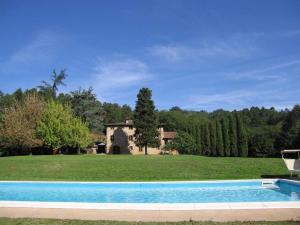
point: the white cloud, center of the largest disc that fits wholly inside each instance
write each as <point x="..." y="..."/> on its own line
<point x="117" y="76"/>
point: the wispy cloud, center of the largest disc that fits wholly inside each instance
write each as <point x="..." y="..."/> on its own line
<point x="171" y="53"/>
<point x="264" y="73"/>
<point x="233" y="98"/>
<point x="119" y="75"/>
<point x="42" y="48"/>
<point x="205" y="49"/>
<point x="255" y="96"/>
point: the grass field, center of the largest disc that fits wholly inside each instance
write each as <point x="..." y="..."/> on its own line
<point x="7" y="221"/>
<point x="136" y="168"/>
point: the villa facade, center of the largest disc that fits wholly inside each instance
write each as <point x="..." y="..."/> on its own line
<point x="120" y="139"/>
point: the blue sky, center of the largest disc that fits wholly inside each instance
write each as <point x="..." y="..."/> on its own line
<point x="200" y="55"/>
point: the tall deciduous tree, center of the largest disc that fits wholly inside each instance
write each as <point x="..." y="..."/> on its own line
<point x="58" y="128"/>
<point x="290" y="134"/>
<point x="145" y="121"/>
<point x="20" y="121"/>
<point x="86" y="106"/>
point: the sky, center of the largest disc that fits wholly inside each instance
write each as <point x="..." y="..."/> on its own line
<point x="195" y="54"/>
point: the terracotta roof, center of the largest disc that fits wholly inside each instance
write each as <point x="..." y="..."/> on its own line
<point x="169" y="135"/>
<point x="123" y="124"/>
<point x="118" y="124"/>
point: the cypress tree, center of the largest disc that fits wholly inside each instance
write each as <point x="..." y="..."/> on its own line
<point x="145" y="121"/>
<point x="207" y="139"/>
<point x="198" y="139"/>
<point x="233" y="135"/>
<point x="220" y="146"/>
<point x="242" y="142"/>
<point x="225" y="134"/>
<point x="203" y="139"/>
<point x="213" y="144"/>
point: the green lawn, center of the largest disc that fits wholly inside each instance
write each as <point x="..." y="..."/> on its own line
<point x="7" y="221"/>
<point x="136" y="168"/>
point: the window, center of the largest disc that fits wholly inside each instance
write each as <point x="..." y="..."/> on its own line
<point x="112" y="137"/>
<point x="140" y="149"/>
<point x="130" y="127"/>
<point x="130" y="138"/>
<point x="130" y="148"/>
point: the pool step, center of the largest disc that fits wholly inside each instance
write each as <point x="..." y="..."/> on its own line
<point x="269" y="184"/>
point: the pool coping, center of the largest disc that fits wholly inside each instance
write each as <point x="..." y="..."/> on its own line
<point x="151" y="206"/>
<point x="155" y="206"/>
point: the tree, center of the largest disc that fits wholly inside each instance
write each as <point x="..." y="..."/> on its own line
<point x="184" y="143"/>
<point x="242" y="143"/>
<point x="225" y="134"/>
<point x="213" y="139"/>
<point x="19" y="124"/>
<point x="206" y="139"/>
<point x="145" y="121"/>
<point x="126" y="112"/>
<point x="113" y="113"/>
<point x="233" y="135"/>
<point x="219" y="138"/>
<point x="51" y="88"/>
<point x="290" y="133"/>
<point x="78" y="135"/>
<point x="86" y="106"/>
<point x="58" y="128"/>
<point x="198" y="140"/>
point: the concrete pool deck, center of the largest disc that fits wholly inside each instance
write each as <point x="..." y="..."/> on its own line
<point x="221" y="215"/>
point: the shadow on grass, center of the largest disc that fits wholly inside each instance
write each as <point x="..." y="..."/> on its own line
<point x="282" y="176"/>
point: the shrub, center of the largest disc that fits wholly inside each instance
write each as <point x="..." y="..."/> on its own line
<point x="183" y="143"/>
<point x="58" y="128"/>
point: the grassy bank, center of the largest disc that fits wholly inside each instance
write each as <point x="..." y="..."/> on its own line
<point x="136" y="168"/>
<point x="7" y="221"/>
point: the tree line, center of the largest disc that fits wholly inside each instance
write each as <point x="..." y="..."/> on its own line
<point x="224" y="136"/>
<point x="247" y="132"/>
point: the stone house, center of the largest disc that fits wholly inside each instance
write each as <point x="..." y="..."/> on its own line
<point x="120" y="139"/>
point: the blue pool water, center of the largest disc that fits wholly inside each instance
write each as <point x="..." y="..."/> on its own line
<point x="179" y="192"/>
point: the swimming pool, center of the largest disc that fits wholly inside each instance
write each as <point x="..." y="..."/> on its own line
<point x="152" y="192"/>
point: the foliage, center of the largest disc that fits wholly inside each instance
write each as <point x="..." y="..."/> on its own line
<point x="18" y="128"/>
<point x="116" y="113"/>
<point x="290" y="135"/>
<point x="86" y="106"/>
<point x="58" y="128"/>
<point x="49" y="90"/>
<point x="254" y="131"/>
<point x="242" y="143"/>
<point x="145" y="121"/>
<point x="183" y="143"/>
<point x="219" y="137"/>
